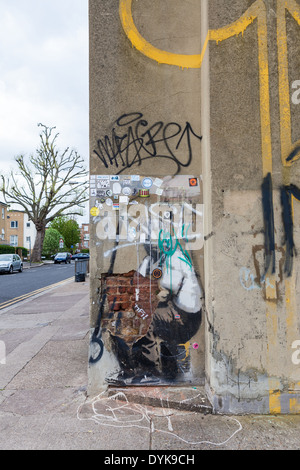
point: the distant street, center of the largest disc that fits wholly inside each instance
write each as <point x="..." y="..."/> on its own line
<point x="13" y="286"/>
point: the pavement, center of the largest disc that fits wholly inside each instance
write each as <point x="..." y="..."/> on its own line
<point x="44" y="403"/>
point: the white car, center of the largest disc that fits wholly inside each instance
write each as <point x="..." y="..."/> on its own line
<point x="10" y="263"/>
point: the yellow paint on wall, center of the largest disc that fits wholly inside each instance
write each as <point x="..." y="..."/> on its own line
<point x="160" y="56"/>
<point x="294" y="405"/>
<point x="274" y="402"/>
<point x="274" y="396"/>
<point x="283" y="80"/>
<point x="187" y="349"/>
<point x="256" y="10"/>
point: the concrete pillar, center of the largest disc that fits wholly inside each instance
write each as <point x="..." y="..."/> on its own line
<point x="251" y="291"/>
<point x="195" y="120"/>
<point x="147" y="320"/>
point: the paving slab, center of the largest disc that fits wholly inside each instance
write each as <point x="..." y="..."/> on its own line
<point x="218" y="432"/>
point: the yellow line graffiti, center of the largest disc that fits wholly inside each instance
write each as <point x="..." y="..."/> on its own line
<point x="284" y="98"/>
<point x="256" y="10"/>
<point x="160" y="56"/>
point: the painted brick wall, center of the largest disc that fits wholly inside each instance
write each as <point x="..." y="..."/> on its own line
<point x="130" y="302"/>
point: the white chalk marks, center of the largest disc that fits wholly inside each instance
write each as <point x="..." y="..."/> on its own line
<point x="116" y="411"/>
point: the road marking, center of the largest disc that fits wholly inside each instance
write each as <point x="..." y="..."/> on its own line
<point x="30" y="294"/>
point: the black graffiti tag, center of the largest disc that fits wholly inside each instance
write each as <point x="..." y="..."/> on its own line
<point x="286" y="194"/>
<point x="133" y="140"/>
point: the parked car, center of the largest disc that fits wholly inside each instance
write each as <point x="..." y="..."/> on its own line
<point x="10" y="263"/>
<point x="62" y="258"/>
<point x="80" y="256"/>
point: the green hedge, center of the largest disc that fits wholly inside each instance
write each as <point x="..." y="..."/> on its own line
<point x="13" y="249"/>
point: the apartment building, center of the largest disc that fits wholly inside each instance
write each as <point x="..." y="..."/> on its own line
<point x="3" y="218"/>
<point x="84" y="237"/>
<point x="16" y="228"/>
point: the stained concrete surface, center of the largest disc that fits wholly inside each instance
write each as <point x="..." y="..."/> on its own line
<point x="43" y="402"/>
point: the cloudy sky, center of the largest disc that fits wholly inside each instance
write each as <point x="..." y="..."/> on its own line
<point x="43" y="75"/>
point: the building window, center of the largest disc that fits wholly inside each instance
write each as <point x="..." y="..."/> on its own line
<point x="14" y="224"/>
<point x="14" y="240"/>
<point x="3" y="234"/>
<point x="86" y="228"/>
<point x="28" y="224"/>
<point x="27" y="239"/>
<point x="3" y="213"/>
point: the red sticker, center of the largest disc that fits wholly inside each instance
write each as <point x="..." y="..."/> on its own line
<point x="193" y="182"/>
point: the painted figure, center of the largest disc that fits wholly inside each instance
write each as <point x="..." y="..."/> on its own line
<point x="177" y="318"/>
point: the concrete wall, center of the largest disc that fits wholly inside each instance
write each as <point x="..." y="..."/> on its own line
<point x="205" y="91"/>
<point x="254" y="120"/>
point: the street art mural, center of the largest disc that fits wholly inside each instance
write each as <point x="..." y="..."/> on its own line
<point x="151" y="314"/>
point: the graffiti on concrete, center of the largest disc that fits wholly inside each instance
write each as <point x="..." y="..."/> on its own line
<point x="150" y="313"/>
<point x="133" y="140"/>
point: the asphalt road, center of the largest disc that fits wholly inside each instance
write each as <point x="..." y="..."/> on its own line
<point x="18" y="286"/>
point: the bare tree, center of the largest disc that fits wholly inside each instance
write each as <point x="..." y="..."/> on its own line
<point x="52" y="183"/>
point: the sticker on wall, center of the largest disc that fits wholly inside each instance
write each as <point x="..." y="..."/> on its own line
<point x="147" y="183"/>
<point x="135" y="177"/>
<point x="103" y="183"/>
<point x="116" y="206"/>
<point x="144" y="193"/>
<point x="117" y="188"/>
<point x="114" y="178"/>
<point x="94" y="211"/>
<point x="109" y="202"/>
<point x="126" y="191"/>
<point x="195" y="345"/>
<point x="193" y="182"/>
<point x="157" y="273"/>
<point x="123" y="199"/>
<point x="158" y="182"/>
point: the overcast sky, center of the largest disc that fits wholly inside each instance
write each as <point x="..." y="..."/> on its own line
<point x="43" y="75"/>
